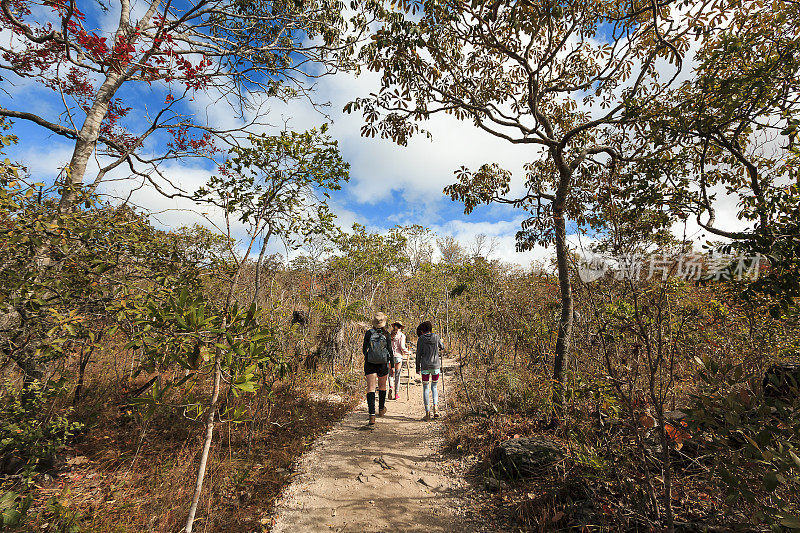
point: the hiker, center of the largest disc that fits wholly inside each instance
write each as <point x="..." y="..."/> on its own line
<point x="399" y="349"/>
<point x="377" y="355"/>
<point x="429" y="361"/>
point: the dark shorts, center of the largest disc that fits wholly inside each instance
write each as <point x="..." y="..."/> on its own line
<point x="374" y="368"/>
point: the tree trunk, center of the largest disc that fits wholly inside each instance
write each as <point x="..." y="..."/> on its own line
<point x="32" y="372"/>
<point x="201" y="471"/>
<point x="259" y="264"/>
<point x="648" y="480"/>
<point x="337" y="343"/>
<point x="86" y="142"/>
<point x="666" y="468"/>
<point x="83" y="362"/>
<point x="564" y="339"/>
<point x="447" y="316"/>
<point x="84" y="148"/>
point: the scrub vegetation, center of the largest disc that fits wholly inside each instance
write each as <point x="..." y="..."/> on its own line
<point x="163" y="379"/>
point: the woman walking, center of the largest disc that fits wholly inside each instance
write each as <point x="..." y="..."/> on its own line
<point x="377" y="355"/>
<point x="429" y="361"/>
<point x="399" y="349"/>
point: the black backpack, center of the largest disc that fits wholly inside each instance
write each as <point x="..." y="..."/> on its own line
<point x="378" y="351"/>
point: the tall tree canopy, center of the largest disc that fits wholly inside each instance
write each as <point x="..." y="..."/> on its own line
<point x="238" y="53"/>
<point x="555" y="76"/>
<point x="731" y="130"/>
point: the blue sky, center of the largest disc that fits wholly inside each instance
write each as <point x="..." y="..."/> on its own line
<point x="390" y="185"/>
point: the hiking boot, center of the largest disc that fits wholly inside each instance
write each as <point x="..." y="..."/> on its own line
<point x="427" y="417"/>
<point x="435" y="414"/>
<point x="381" y="412"/>
<point x="389" y="395"/>
<point x="371" y="420"/>
<point x="396" y="396"/>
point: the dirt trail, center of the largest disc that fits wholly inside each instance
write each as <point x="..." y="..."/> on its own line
<point x="389" y="477"/>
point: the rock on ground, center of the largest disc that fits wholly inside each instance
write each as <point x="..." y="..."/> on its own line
<point x="526" y="456"/>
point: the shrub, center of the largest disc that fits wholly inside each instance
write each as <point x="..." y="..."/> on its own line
<point x="755" y="442"/>
<point x="13" y="509"/>
<point x="32" y="431"/>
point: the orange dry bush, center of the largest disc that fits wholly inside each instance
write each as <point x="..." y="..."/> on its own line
<point x="677" y="434"/>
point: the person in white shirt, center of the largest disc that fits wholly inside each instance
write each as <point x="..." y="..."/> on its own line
<point x="399" y="349"/>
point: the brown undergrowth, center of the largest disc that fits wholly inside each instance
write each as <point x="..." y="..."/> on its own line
<point x="126" y="473"/>
<point x="602" y="482"/>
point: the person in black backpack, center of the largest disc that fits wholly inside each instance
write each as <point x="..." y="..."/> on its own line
<point x="377" y="354"/>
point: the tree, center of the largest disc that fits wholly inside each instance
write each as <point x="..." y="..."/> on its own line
<point x="61" y="272"/>
<point x="368" y="260"/>
<point x="336" y="316"/>
<point x="419" y="246"/>
<point x="731" y="130"/>
<point x="452" y="252"/>
<point x="271" y="186"/>
<point x="179" y="327"/>
<point x="557" y="77"/>
<point x="237" y="53"/>
<point x="482" y="246"/>
<point x="274" y="186"/>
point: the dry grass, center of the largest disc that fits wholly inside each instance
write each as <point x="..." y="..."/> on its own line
<point x="126" y="473"/>
<point x="599" y="486"/>
<point x="603" y="484"/>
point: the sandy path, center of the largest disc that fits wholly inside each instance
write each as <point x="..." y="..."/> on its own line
<point x="344" y="483"/>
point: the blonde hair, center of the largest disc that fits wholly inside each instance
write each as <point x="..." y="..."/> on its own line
<point x="379" y="321"/>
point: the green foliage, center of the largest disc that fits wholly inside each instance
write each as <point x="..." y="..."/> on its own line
<point x="710" y="136"/>
<point x="8" y="170"/>
<point x="363" y="253"/>
<point x="279" y="184"/>
<point x="527" y="73"/>
<point x="426" y="290"/>
<point x="755" y="442"/>
<point x="337" y="310"/>
<point x="61" y="271"/>
<point x="597" y="394"/>
<point x="511" y="392"/>
<point x="32" y="430"/>
<point x="779" y="244"/>
<point x="620" y="310"/>
<point x="204" y="248"/>
<point x="13" y="509"/>
<point x="60" y="518"/>
<point x="176" y="328"/>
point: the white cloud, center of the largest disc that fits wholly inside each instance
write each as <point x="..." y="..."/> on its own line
<point x="500" y="235"/>
<point x="418" y="172"/>
<point x="726" y="209"/>
<point x="44" y="162"/>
